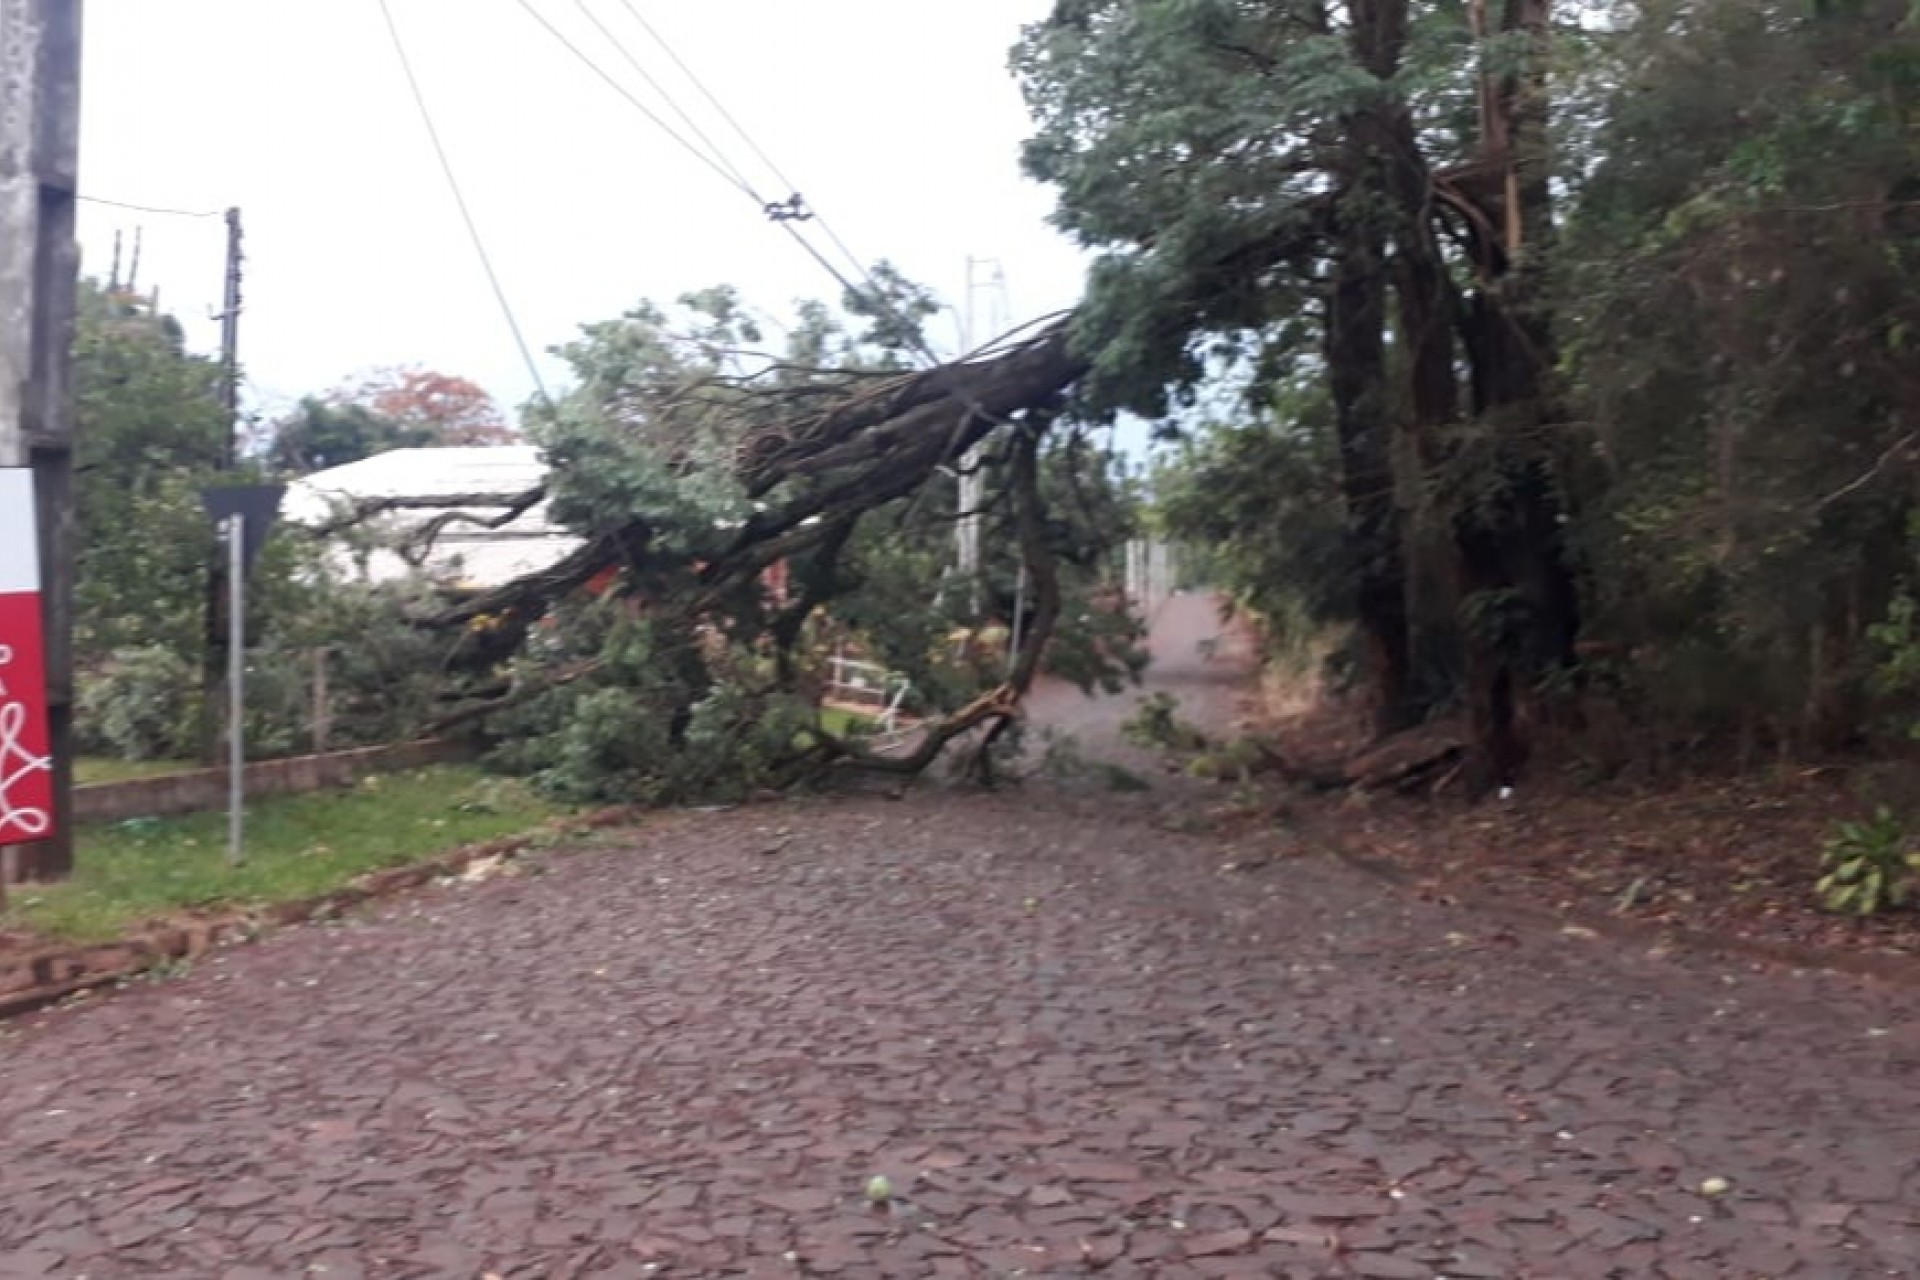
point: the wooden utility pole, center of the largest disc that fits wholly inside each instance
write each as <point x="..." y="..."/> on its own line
<point x="39" y="268"/>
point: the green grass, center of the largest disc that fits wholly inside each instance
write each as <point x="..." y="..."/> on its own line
<point x="91" y="769"/>
<point x="297" y="847"/>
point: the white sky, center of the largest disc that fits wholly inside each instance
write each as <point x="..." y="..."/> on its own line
<point x="897" y="118"/>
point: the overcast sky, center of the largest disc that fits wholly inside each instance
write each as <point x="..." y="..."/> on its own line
<point x="896" y="118"/>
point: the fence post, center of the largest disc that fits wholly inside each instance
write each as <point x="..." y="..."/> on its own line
<point x="322" y="714"/>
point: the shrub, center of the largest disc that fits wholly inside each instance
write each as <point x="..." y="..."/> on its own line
<point x="143" y="703"/>
<point x="1870" y="865"/>
<point x="1156" y="723"/>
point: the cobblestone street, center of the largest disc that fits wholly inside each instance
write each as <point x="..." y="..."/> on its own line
<point x="1071" y="1038"/>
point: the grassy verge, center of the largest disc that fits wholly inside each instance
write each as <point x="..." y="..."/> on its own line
<point x="297" y="847"/>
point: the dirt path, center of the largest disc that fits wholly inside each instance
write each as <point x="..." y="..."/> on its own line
<point x="1071" y="1040"/>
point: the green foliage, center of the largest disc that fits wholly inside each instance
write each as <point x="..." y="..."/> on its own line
<point x="142" y="704"/>
<point x="385" y="674"/>
<point x="1236" y="760"/>
<point x="1263" y="496"/>
<point x="1898" y="640"/>
<point x="664" y="719"/>
<point x="320" y="434"/>
<point x="1156" y="723"/>
<point x="1738" y="283"/>
<point x="1189" y="126"/>
<point x="646" y="440"/>
<point x="1871" y="866"/>
<point x="149" y="431"/>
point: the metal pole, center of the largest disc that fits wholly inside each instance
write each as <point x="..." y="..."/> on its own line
<point x="229" y="455"/>
<point x="236" y="689"/>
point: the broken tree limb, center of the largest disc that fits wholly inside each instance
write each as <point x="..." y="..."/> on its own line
<point x="884" y="443"/>
<point x="881" y="419"/>
<point x="1000" y="706"/>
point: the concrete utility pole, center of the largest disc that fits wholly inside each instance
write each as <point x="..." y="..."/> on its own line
<point x="39" y="267"/>
<point x="972" y="484"/>
<point x="230" y="340"/>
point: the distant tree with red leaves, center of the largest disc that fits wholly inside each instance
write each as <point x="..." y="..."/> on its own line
<point x="440" y="407"/>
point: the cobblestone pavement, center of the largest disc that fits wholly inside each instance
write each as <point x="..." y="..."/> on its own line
<point x="1073" y="1040"/>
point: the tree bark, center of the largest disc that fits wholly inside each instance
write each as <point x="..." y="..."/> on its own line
<point x="1513" y="555"/>
<point x="1359" y="383"/>
<point x="1357" y="377"/>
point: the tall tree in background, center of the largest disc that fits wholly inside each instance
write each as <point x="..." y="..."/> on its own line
<point x="320" y="434"/>
<point x="445" y="408"/>
<point x="1608" y="346"/>
<point x="1362" y="189"/>
<point x="149" y="431"/>
<point x="398" y="408"/>
<point x="1741" y="284"/>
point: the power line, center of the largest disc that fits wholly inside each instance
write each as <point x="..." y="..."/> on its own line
<point x="786" y="213"/>
<point x="154" y="209"/>
<point x="786" y="183"/>
<point x="731" y="178"/>
<point x="693" y="126"/>
<point x="712" y="101"/>
<point x="466" y="215"/>
<point x="783" y="213"/>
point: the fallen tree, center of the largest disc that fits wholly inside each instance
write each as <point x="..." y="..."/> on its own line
<point x="662" y="648"/>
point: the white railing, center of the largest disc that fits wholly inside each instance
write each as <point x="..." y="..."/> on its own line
<point x="869" y="689"/>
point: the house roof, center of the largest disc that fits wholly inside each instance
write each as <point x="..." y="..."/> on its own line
<point x="465" y="554"/>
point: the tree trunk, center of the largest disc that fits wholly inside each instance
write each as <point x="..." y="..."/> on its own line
<point x="1357" y="378"/>
<point x="1521" y="601"/>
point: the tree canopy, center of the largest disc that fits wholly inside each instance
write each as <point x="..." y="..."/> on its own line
<point x="399" y="408"/>
<point x="1568" y="382"/>
<point x="1608" y="361"/>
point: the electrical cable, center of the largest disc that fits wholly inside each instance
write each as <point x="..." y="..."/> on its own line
<point x="713" y="101"/>
<point x="466" y="214"/>
<point x="785" y="214"/>
<point x="693" y="126"/>
<point x="154" y="209"/>
<point x="730" y="178"/>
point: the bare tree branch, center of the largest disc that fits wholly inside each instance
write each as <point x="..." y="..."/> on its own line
<point x="1902" y="450"/>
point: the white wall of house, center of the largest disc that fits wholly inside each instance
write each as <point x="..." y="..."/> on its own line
<point x="465" y="555"/>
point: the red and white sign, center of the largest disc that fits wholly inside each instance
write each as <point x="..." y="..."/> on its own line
<point x="26" y="763"/>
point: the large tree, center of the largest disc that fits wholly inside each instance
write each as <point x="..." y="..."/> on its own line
<point x="744" y="512"/>
<point x="1608" y="348"/>
<point x="397" y="408"/>
<point x="322" y="433"/>
<point x="1363" y="189"/>
<point x="443" y="408"/>
<point x="149" y="430"/>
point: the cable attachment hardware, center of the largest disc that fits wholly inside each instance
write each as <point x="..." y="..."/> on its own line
<point x="792" y="209"/>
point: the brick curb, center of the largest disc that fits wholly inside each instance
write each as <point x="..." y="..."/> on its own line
<point x="1882" y="966"/>
<point x="42" y="977"/>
